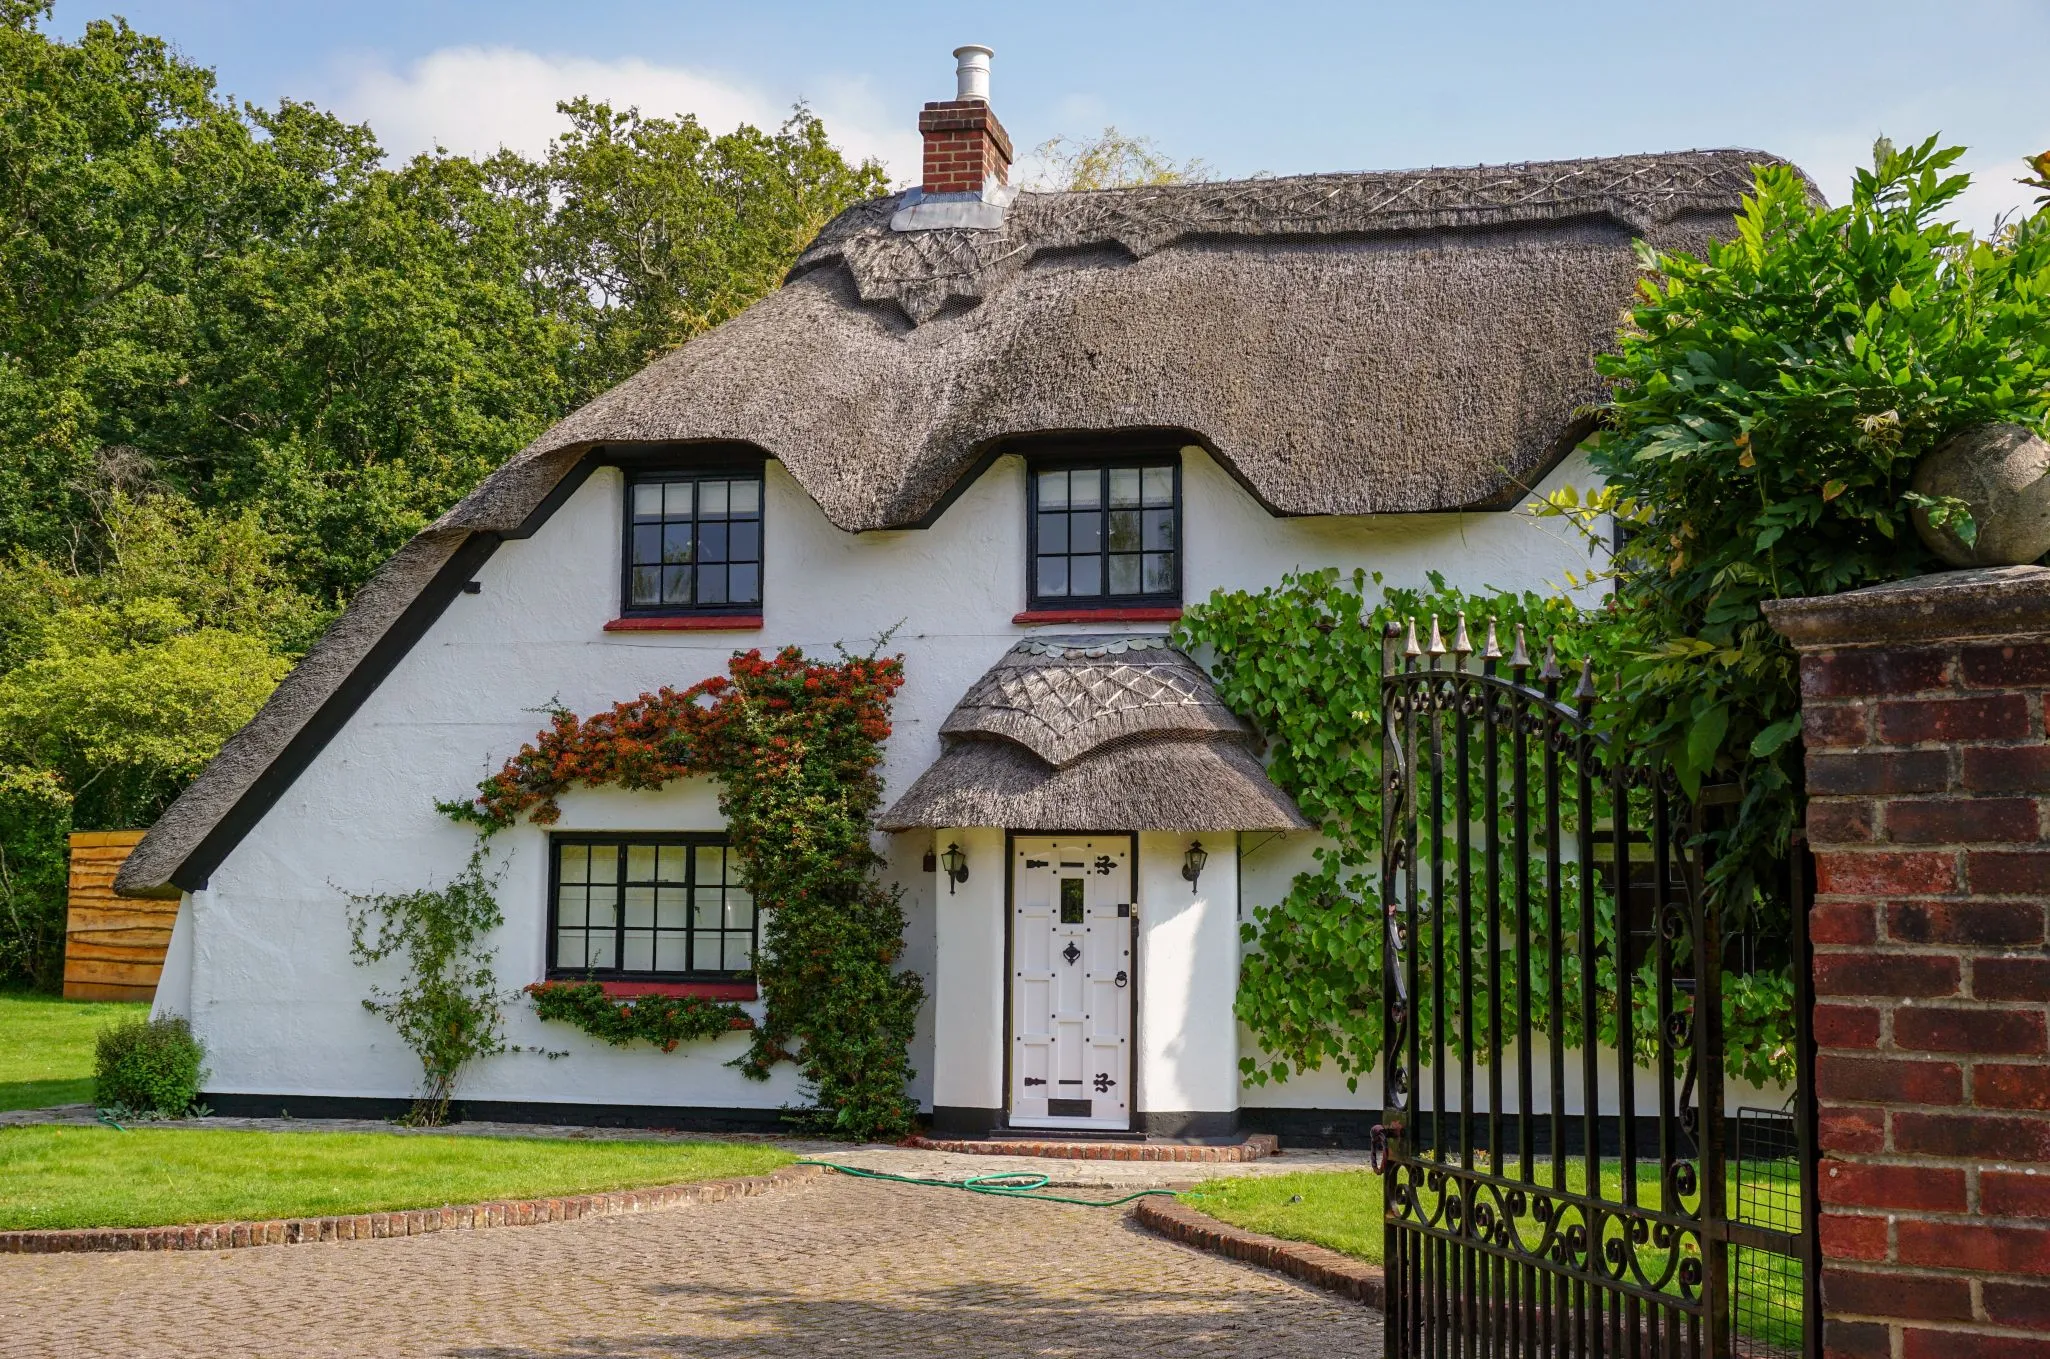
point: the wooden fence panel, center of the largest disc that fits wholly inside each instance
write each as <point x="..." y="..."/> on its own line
<point x="113" y="946"/>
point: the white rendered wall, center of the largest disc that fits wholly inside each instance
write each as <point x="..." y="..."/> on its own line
<point x="174" y="984"/>
<point x="273" y="991"/>
<point x="968" y="992"/>
<point x="1188" y="972"/>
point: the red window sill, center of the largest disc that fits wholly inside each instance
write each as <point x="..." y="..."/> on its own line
<point x="709" y="990"/>
<point x="1168" y="614"/>
<point x="706" y="622"/>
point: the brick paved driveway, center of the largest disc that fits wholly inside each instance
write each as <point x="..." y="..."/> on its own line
<point x="838" y="1268"/>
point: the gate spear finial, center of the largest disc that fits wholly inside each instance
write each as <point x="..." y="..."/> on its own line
<point x="1437" y="647"/>
<point x="1549" y="672"/>
<point x="1584" y="691"/>
<point x="1493" y="650"/>
<point x="1409" y="646"/>
<point x="1461" y="643"/>
<point x="1519" y="659"/>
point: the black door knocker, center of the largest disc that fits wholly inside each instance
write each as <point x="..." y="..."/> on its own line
<point x="1121" y="979"/>
<point x="1071" y="953"/>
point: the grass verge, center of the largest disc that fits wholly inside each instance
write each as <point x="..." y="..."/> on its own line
<point x="153" y="1177"/>
<point x="46" y="1047"/>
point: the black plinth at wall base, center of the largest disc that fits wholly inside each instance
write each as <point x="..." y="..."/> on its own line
<point x="1352" y="1128"/>
<point x="680" y="1118"/>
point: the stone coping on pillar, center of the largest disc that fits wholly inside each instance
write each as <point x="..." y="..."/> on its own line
<point x="402" y="1222"/>
<point x="1986" y="602"/>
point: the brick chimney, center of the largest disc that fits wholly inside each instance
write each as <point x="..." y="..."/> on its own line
<point x="965" y="145"/>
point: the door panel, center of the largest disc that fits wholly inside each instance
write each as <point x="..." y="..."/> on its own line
<point x="1072" y="982"/>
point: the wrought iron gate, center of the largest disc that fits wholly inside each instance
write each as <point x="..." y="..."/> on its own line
<point x="1563" y="1176"/>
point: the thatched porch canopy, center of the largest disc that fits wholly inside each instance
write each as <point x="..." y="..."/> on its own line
<point x="1095" y="733"/>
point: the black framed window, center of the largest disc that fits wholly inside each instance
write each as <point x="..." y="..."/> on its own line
<point x="644" y="907"/>
<point x="1105" y="531"/>
<point x="693" y="542"/>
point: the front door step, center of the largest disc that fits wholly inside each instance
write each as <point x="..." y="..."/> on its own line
<point x="1251" y="1148"/>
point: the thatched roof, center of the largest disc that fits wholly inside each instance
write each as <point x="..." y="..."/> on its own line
<point x="1343" y="344"/>
<point x="1094" y="733"/>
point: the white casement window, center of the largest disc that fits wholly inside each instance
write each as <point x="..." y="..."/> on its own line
<point x="647" y="908"/>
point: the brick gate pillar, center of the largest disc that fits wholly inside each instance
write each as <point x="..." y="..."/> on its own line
<point x="1929" y="815"/>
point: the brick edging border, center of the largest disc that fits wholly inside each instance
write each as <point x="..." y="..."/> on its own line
<point x="406" y="1222"/>
<point x="1256" y="1146"/>
<point x="1326" y="1269"/>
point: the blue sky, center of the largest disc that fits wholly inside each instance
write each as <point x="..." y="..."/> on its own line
<point x="1248" y="87"/>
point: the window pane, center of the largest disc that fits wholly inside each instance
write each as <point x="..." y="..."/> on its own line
<point x="711" y="864"/>
<point x="676" y="584"/>
<point x="640" y="908"/>
<point x="1159" y="573"/>
<point x="604" y="863"/>
<point x="604" y="909"/>
<point x="1159" y="530"/>
<point x="1085" y="489"/>
<point x="648" y="500"/>
<point x="707" y="908"/>
<point x="571" y="950"/>
<point x="1159" y="486"/>
<point x="739" y="949"/>
<point x="712" y="543"/>
<point x="669" y="909"/>
<point x="671" y="953"/>
<point x="713" y="502"/>
<point x="745" y="498"/>
<point x="1124" y="574"/>
<point x="574" y="863"/>
<point x="598" y="950"/>
<point x="647" y="585"/>
<point x="570" y="905"/>
<point x="711" y="585"/>
<point x="1124" y="486"/>
<point x="640" y="953"/>
<point x="740" y="909"/>
<point x="647" y="544"/>
<point x="1053" y="577"/>
<point x="744" y="542"/>
<point x="1053" y="490"/>
<point x="671" y="868"/>
<point x="1085" y="576"/>
<point x="640" y="863"/>
<point x="676" y="543"/>
<point x="676" y="500"/>
<point x="743" y="584"/>
<point x="1053" y="533"/>
<point x="1085" y="532"/>
<point x="1124" y="530"/>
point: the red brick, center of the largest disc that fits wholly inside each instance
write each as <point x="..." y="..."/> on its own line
<point x="1883" y="1080"/>
<point x="1850" y="1130"/>
<point x="1943" y="1028"/>
<point x="1846" y="1026"/>
<point x="1878" y="771"/>
<point x="1849" y="674"/>
<point x="1932" y="1189"/>
<point x="1956" y="821"/>
<point x="1856" y="1339"/>
<point x="1982" y="1136"/>
<point x="2014" y="1193"/>
<point x="2011" y="979"/>
<point x="1957" y="1344"/>
<point x="1998" y="1086"/>
<point x="2021" y="1305"/>
<point x="1978" y="1245"/>
<point x="1996" y="872"/>
<point x="1849" y="1237"/>
<point x="1996" y="717"/>
<point x="2006" y="769"/>
<point x="1886" y="873"/>
<point x="1836" y="724"/>
<point x="1881" y="974"/>
<point x="1987" y="924"/>
<point x="1888" y="1294"/>
<point x="1842" y="820"/>
<point x="1843" y="922"/>
<point x="2005" y="667"/>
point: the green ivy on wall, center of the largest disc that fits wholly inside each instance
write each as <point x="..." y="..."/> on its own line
<point x="664" y="1022"/>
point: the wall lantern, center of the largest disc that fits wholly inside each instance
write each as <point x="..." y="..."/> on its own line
<point x="955" y="865"/>
<point x="1192" y="864"/>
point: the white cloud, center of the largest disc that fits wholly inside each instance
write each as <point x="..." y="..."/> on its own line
<point x="473" y="100"/>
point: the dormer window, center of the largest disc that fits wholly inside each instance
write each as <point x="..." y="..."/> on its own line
<point x="1105" y="532"/>
<point x="693" y="542"/>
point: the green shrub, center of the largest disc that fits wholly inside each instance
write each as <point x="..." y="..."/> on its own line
<point x="148" y="1066"/>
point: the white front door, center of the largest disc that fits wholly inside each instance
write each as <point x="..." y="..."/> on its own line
<point x="1071" y="982"/>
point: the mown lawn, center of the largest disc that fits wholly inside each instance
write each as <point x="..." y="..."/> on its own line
<point x="46" y="1047"/>
<point x="149" y="1177"/>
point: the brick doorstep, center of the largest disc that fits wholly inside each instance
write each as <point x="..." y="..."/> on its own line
<point x="402" y="1222"/>
<point x="1254" y="1148"/>
<point x="1326" y="1269"/>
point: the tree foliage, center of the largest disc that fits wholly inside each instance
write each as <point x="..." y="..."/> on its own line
<point x="1110" y="160"/>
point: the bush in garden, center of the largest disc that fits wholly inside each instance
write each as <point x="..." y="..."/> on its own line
<point x="148" y="1066"/>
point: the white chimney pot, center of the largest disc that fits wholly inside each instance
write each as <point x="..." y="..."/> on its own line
<point x="971" y="72"/>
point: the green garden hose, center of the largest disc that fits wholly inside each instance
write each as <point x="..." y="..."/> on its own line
<point x="1015" y="1184"/>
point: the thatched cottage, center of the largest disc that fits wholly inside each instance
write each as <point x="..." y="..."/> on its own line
<point x="1024" y="429"/>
